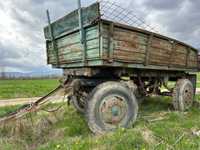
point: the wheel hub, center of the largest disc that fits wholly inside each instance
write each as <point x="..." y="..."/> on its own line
<point x="183" y="95"/>
<point x="187" y="96"/>
<point x="113" y="109"/>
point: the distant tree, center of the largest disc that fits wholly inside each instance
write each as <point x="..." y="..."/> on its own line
<point x="2" y="72"/>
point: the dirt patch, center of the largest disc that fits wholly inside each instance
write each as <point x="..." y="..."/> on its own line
<point x="197" y="90"/>
<point x="148" y="136"/>
<point x="17" y="101"/>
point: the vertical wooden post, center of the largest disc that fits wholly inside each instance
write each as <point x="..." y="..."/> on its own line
<point x="101" y="40"/>
<point x="171" y="54"/>
<point x="187" y="57"/>
<point x="148" y="49"/>
<point x="82" y="32"/>
<point x="111" y="47"/>
<point x="53" y="38"/>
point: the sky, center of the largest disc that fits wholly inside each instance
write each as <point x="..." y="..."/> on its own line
<point x="22" y="43"/>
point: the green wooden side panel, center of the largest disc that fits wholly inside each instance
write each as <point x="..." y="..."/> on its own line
<point x="110" y="44"/>
<point x="70" y="49"/>
<point x="71" y="21"/>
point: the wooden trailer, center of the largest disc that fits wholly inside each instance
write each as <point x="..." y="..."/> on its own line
<point x="112" y="66"/>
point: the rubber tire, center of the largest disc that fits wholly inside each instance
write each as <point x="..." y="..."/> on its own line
<point x="177" y="91"/>
<point x="103" y="90"/>
<point x="134" y="88"/>
<point x="75" y="99"/>
<point x="139" y="96"/>
<point x="77" y="106"/>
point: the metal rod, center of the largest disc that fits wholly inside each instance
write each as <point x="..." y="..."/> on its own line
<point x="82" y="32"/>
<point x="52" y="37"/>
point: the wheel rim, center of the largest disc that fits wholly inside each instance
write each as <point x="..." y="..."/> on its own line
<point x="113" y="110"/>
<point x="187" y="95"/>
<point x="79" y="104"/>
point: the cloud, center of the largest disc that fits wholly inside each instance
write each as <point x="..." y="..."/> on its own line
<point x="22" y="44"/>
<point x="163" y="5"/>
<point x="177" y="19"/>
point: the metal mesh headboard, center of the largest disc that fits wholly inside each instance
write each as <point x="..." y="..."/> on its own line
<point x="116" y="13"/>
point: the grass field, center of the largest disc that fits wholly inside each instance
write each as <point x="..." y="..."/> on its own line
<point x="157" y="126"/>
<point x="33" y="88"/>
<point x="26" y="88"/>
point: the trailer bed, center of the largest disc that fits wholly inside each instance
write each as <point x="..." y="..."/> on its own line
<point x="111" y="44"/>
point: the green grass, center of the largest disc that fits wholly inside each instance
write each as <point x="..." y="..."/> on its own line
<point x="26" y="88"/>
<point x="157" y="126"/>
<point x="198" y="80"/>
<point x="198" y="76"/>
<point x="68" y="129"/>
<point x="33" y="88"/>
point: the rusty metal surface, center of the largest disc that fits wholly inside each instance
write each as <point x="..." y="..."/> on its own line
<point x="113" y="110"/>
<point x="183" y="95"/>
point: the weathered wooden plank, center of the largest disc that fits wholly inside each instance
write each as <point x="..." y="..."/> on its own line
<point x="89" y="44"/>
<point x="93" y="53"/>
<point x="105" y="31"/>
<point x="121" y="44"/>
<point x="157" y="58"/>
<point x="164" y="62"/>
<point x="127" y="31"/>
<point x="71" y="21"/>
<point x="73" y="56"/>
<point x="181" y="49"/>
<point x="71" y="39"/>
<point x="192" y="58"/>
<point x="193" y="54"/>
<point x="128" y="55"/>
<point x="158" y="61"/>
<point x="192" y="62"/>
<point x="166" y="55"/>
<point x="92" y="33"/>
<point x="175" y="54"/>
<point x="125" y="59"/>
<point x="147" y="51"/>
<point x="130" y="37"/>
<point x="92" y="43"/>
<point x="105" y="46"/>
<point x="77" y="46"/>
<point x="105" y="42"/>
<point x="132" y="47"/>
<point x="161" y="48"/>
<point x="164" y="59"/>
<point x="130" y="51"/>
<point x="160" y="52"/>
<point x="73" y="51"/>
<point x="75" y="38"/>
<point x="110" y="42"/>
<point x="161" y="44"/>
